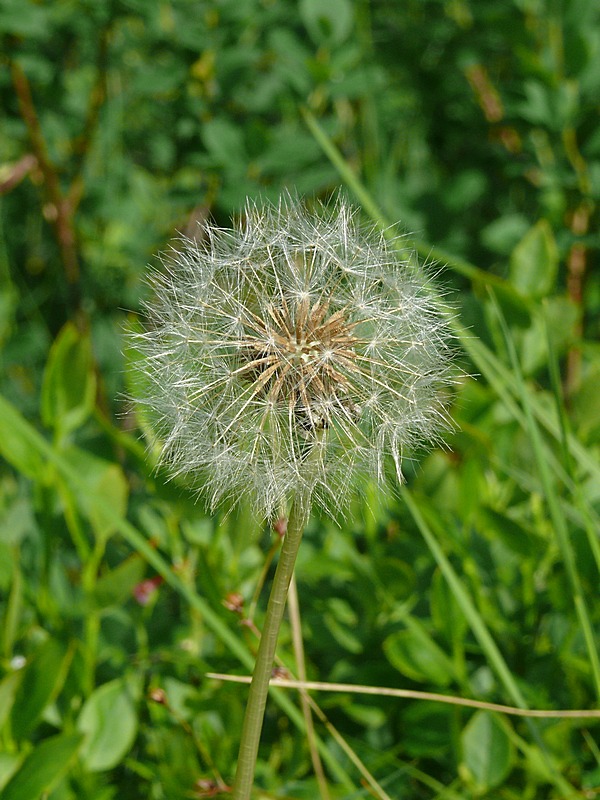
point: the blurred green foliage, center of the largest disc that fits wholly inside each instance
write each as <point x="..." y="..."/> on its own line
<point x="476" y="125"/>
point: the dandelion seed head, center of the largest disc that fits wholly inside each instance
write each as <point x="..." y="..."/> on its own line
<point x="292" y="354"/>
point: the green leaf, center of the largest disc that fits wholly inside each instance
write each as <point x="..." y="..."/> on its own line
<point x="585" y="403"/>
<point x="9" y="764"/>
<point x="35" y="23"/>
<point x="445" y="611"/>
<point x="14" y="606"/>
<point x="366" y="715"/>
<point x="17" y="443"/>
<point x="329" y="22"/>
<point x="509" y="531"/>
<point x="342" y="634"/>
<point x="414" y="653"/>
<point x="8" y="691"/>
<point x="69" y="385"/>
<point x="487" y="750"/>
<point x="504" y="233"/>
<point x="534" y="261"/>
<point x="538" y="107"/>
<point x="109" y="721"/>
<point x="104" y="484"/>
<point x="115" y="586"/>
<point x="43" y="678"/>
<point x="225" y="142"/>
<point x="42" y="768"/>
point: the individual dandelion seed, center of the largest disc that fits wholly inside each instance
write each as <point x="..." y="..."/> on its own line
<point x="292" y="333"/>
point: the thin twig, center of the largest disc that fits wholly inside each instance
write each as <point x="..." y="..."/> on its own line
<point x="58" y="210"/>
<point x="13" y="175"/>
<point x="410" y="694"/>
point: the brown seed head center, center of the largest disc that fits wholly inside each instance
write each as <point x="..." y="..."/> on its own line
<point x="301" y="358"/>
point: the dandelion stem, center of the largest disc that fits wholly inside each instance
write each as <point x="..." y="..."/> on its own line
<point x="259" y="688"/>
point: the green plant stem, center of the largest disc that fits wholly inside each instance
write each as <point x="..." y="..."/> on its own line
<point x="257" y="697"/>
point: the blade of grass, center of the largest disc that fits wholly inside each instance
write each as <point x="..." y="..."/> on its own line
<point x="483" y="636"/>
<point x="559" y="524"/>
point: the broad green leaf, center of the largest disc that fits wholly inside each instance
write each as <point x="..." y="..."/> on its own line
<point x="504" y="233"/>
<point x="366" y="715"/>
<point x="69" y="386"/>
<point x="224" y="141"/>
<point x="8" y="691"/>
<point x="445" y="611"/>
<point x="17" y="443"/>
<point x="115" y="586"/>
<point x="329" y="22"/>
<point x="15" y="604"/>
<point x="343" y="635"/>
<point x="534" y="261"/>
<point x="586" y="405"/>
<point x="487" y="750"/>
<point x="181" y="697"/>
<point x="18" y="521"/>
<point x="467" y="188"/>
<point x="42" y="768"/>
<point x="414" y="653"/>
<point x="9" y="764"/>
<point x="35" y="23"/>
<point x="109" y="721"/>
<point x="105" y="485"/>
<point x="509" y="531"/>
<point x="538" y="106"/>
<point x="43" y="678"/>
<point x="562" y="316"/>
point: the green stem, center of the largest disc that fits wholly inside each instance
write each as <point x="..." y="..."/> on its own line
<point x="259" y="688"/>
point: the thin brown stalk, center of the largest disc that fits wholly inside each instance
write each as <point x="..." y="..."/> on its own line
<point x="13" y="175"/>
<point x="410" y="694"/>
<point x="57" y="209"/>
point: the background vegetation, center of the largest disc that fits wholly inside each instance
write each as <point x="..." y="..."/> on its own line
<point x="476" y="125"/>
